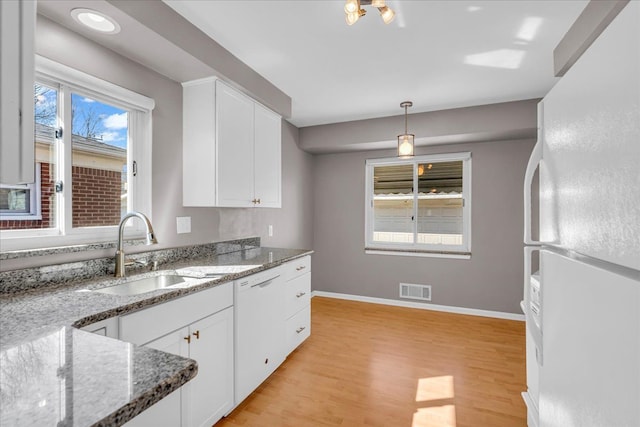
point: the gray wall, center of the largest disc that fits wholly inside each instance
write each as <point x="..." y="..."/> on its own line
<point x="490" y="280"/>
<point x="292" y="223"/>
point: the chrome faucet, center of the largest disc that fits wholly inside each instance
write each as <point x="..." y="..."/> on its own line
<point x="151" y="239"/>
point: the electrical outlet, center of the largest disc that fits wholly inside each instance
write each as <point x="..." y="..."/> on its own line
<point x="271" y="231"/>
<point x="183" y="224"/>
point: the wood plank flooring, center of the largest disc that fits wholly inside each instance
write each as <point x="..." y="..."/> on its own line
<point x="375" y="365"/>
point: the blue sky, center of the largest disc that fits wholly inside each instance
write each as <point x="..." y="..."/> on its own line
<point x="109" y="123"/>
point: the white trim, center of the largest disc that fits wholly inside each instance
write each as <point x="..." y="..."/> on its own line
<point x="197" y="82"/>
<point x="35" y="204"/>
<point x="422" y="306"/>
<point x="416" y="254"/>
<point x="102" y="89"/>
<point x="465" y="158"/>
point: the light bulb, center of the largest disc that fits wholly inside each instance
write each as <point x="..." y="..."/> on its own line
<point x="405" y="145"/>
<point x="95" y="20"/>
<point x="94" y="17"/>
<point x="377" y="3"/>
<point x="352" y="18"/>
<point x="351" y="6"/>
<point x="387" y="14"/>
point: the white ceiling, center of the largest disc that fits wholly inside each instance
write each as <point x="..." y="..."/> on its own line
<point x="438" y="54"/>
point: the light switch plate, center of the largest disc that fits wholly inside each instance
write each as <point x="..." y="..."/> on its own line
<point x="183" y="224"/>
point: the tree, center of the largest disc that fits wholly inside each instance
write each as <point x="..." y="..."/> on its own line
<point x="86" y="122"/>
<point x="45" y="105"/>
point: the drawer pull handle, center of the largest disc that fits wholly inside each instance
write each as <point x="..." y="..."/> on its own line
<point x="188" y="339"/>
<point x="197" y="334"/>
<point x="300" y="294"/>
<point x="300" y="329"/>
<point x="302" y="267"/>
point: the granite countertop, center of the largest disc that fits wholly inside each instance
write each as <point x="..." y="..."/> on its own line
<point x="53" y="373"/>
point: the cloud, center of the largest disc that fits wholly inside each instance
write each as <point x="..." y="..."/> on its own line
<point x="116" y="121"/>
<point x="112" y="137"/>
<point x="88" y="100"/>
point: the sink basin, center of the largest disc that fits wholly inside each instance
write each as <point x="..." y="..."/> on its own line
<point x="140" y="286"/>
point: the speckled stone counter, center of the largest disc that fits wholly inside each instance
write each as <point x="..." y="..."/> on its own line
<point x="52" y="372"/>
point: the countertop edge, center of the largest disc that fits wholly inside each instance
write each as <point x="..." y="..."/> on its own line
<point x="150" y="397"/>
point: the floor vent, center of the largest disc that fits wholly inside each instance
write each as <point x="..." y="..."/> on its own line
<point x="411" y="291"/>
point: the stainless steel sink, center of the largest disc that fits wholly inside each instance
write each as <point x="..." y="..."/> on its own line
<point x="140" y="286"/>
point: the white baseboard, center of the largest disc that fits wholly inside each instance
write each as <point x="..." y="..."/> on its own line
<point x="422" y="306"/>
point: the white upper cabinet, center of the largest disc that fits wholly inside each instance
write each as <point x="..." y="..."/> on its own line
<point x="267" y="154"/>
<point x="17" y="146"/>
<point x="234" y="121"/>
<point x="231" y="148"/>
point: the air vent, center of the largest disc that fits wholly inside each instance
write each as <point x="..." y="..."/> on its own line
<point x="412" y="291"/>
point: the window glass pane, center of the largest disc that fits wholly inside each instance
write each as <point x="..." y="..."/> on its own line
<point x="99" y="177"/>
<point x="440" y="203"/>
<point x="15" y="200"/>
<point x="33" y="206"/>
<point x="393" y="203"/>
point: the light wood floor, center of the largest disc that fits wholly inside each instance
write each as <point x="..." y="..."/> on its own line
<point x="374" y="365"/>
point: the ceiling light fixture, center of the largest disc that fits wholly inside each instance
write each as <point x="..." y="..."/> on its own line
<point x="353" y="10"/>
<point x="95" y="20"/>
<point x="406" y="141"/>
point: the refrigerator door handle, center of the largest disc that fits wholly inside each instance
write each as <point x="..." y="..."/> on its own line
<point x="534" y="160"/>
<point x="535" y="328"/>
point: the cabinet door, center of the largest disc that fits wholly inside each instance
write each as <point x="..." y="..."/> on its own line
<point x="166" y="412"/>
<point x="234" y="144"/>
<point x="17" y="145"/>
<point x="267" y="152"/>
<point x="106" y="327"/>
<point x="199" y="143"/>
<point x="209" y="396"/>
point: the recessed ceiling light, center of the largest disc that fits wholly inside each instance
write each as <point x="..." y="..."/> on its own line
<point x="95" y="20"/>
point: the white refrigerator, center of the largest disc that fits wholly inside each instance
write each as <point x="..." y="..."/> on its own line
<point x="583" y="306"/>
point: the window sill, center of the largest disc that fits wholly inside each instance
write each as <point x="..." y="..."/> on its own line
<point x="28" y="253"/>
<point x="24" y="217"/>
<point x="418" y="253"/>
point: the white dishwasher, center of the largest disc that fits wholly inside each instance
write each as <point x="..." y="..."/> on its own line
<point x="259" y="333"/>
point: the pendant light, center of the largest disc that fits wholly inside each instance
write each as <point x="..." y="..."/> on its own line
<point x="405" y="141"/>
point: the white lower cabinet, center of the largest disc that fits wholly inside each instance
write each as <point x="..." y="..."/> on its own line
<point x="209" y="341"/>
<point x="297" y="297"/>
<point x="209" y="396"/>
<point x="107" y="327"/>
<point x="168" y="411"/>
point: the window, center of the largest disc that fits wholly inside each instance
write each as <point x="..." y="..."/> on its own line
<point x="22" y="201"/>
<point x="420" y="205"/>
<point x="93" y="163"/>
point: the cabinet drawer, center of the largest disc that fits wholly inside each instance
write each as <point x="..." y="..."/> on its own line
<point x="297" y="267"/>
<point x="298" y="328"/>
<point x="297" y="294"/>
<point x="148" y="324"/>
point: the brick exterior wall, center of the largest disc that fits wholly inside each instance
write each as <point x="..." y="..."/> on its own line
<point x="96" y="199"/>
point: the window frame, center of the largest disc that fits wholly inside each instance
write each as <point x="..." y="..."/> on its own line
<point x="139" y="149"/>
<point x="419" y="249"/>
<point x="34" y="213"/>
